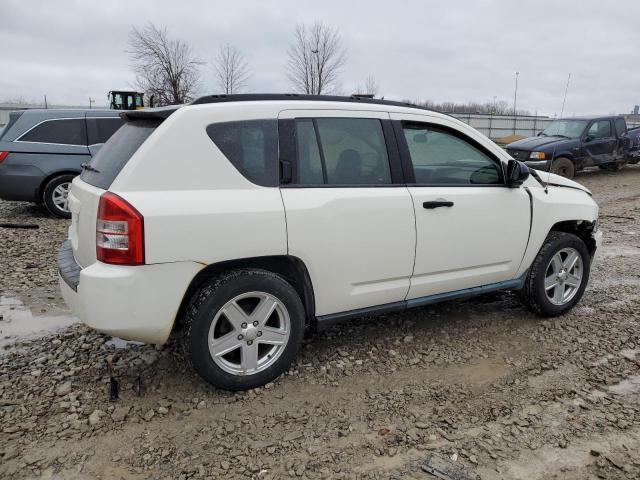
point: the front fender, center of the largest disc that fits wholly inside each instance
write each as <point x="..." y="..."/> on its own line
<point x="558" y="204"/>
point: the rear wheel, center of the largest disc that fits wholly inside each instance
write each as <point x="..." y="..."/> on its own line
<point x="564" y="167"/>
<point x="558" y="276"/>
<point x="243" y="329"/>
<point x="55" y="195"/>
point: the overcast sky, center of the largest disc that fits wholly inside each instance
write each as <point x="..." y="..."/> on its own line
<point x="454" y="50"/>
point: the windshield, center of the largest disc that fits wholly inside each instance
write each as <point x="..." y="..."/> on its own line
<point x="565" y="128"/>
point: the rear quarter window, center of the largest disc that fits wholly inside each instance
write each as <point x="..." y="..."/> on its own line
<point x="251" y="146"/>
<point x="99" y="130"/>
<point x="65" y="131"/>
<point x="116" y="152"/>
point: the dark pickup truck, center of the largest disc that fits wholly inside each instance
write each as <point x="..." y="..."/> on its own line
<point x="571" y="144"/>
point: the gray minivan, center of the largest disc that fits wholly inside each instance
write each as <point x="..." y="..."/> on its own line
<point x="42" y="150"/>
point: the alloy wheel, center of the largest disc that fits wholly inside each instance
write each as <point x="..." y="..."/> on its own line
<point x="249" y="333"/>
<point x="563" y="276"/>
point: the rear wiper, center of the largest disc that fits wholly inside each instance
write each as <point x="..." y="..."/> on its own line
<point x="88" y="167"/>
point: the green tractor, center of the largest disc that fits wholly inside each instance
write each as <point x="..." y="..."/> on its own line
<point x="122" y="100"/>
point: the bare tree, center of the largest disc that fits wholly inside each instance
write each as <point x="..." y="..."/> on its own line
<point x="232" y="71"/>
<point x="165" y="67"/>
<point x="370" y="87"/>
<point x="315" y="59"/>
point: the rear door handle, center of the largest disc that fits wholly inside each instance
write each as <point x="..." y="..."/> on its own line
<point x="437" y="204"/>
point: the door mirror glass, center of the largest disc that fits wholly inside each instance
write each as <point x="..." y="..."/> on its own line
<point x="517" y="173"/>
<point x="420" y="138"/>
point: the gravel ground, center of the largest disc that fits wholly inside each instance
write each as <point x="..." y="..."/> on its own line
<point x="506" y="394"/>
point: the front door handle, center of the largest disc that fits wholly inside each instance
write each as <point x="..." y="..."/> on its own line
<point x="437" y="204"/>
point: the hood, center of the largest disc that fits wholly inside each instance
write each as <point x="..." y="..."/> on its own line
<point x="538" y="143"/>
<point x="558" y="181"/>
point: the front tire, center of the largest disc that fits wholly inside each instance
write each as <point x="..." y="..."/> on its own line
<point x="243" y="329"/>
<point x="558" y="276"/>
<point x="564" y="167"/>
<point x="55" y="193"/>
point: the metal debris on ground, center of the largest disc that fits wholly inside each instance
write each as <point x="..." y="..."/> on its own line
<point x="447" y="469"/>
<point x="113" y="389"/>
<point x="30" y="226"/>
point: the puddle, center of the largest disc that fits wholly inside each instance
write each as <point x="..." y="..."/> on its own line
<point x="627" y="386"/>
<point x="630" y="354"/>
<point x="120" y="344"/>
<point x="618" y="251"/>
<point x="19" y="323"/>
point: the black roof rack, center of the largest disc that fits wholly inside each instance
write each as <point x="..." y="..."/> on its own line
<point x="163" y="112"/>
<point x="253" y="97"/>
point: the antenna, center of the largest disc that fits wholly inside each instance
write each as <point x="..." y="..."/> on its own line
<point x="565" y="95"/>
<point x="553" y="154"/>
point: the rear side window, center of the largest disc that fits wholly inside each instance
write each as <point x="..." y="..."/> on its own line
<point x="341" y="151"/>
<point x="621" y="126"/>
<point x="68" y="131"/>
<point x="116" y="152"/>
<point x="99" y="130"/>
<point x="251" y="146"/>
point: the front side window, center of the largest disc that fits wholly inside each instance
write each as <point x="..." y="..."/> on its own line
<point x="69" y="131"/>
<point x="251" y="146"/>
<point x="440" y="157"/>
<point x="600" y="129"/>
<point x="341" y="151"/>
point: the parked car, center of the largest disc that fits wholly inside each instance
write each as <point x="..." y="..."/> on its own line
<point x="571" y="144"/>
<point x="41" y="151"/>
<point x="243" y="220"/>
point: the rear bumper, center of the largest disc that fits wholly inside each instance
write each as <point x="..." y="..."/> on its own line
<point x="135" y="303"/>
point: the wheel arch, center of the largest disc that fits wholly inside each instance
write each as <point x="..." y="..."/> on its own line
<point x="51" y="176"/>
<point x="582" y="229"/>
<point x="289" y="267"/>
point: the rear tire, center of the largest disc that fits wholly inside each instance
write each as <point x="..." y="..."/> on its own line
<point x="243" y="329"/>
<point x="554" y="284"/>
<point x="564" y="167"/>
<point x="54" y="195"/>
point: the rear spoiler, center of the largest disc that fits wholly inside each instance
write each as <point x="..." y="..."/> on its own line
<point x="160" y="113"/>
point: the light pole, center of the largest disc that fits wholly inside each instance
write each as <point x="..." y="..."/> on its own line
<point x="515" y="102"/>
<point x="495" y="98"/>
<point x="515" y="95"/>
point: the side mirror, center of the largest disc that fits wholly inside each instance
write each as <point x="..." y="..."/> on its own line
<point x="517" y="173"/>
<point x="587" y="139"/>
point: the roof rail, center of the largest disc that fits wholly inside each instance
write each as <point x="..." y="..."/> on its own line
<point x="255" y="97"/>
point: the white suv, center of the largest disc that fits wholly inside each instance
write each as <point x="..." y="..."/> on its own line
<point x="243" y="220"/>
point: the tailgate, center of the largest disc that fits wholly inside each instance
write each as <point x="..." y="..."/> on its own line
<point x="83" y="203"/>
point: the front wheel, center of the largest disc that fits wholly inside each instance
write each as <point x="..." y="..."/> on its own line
<point x="558" y="276"/>
<point x="564" y="167"/>
<point x="243" y="329"/>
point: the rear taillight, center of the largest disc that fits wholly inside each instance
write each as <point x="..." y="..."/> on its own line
<point x="119" y="232"/>
<point x="3" y="155"/>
